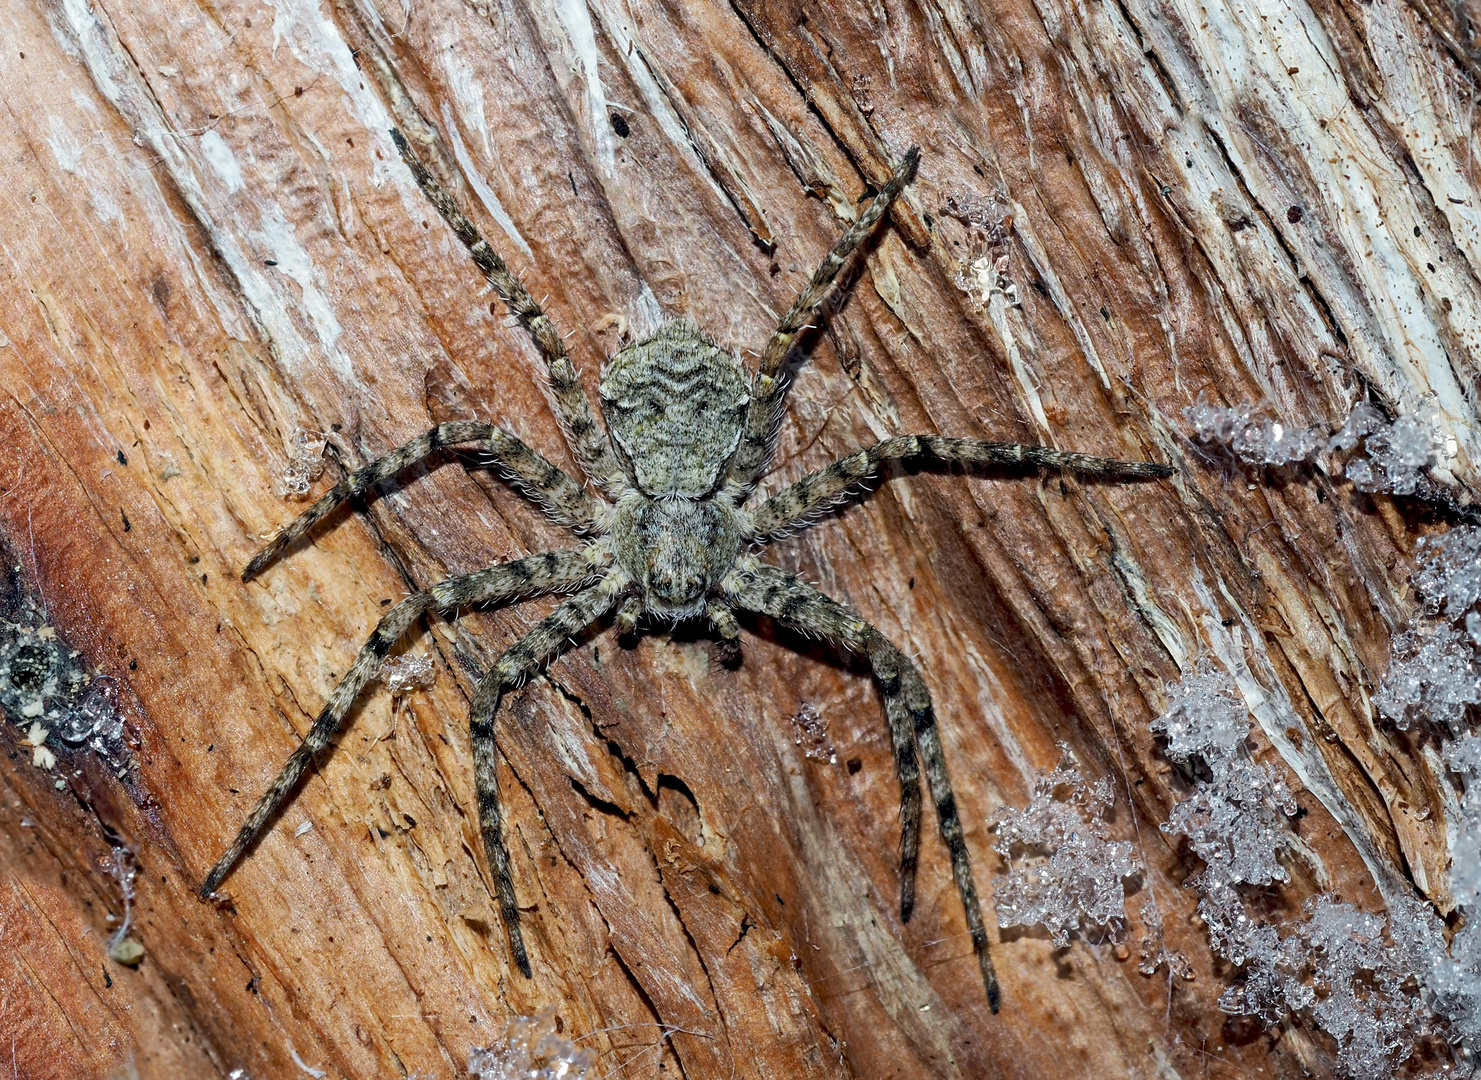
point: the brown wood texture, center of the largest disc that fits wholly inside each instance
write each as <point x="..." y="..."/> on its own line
<point x="207" y="242"/>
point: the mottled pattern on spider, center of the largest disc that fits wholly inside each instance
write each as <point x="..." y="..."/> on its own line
<point x="690" y="436"/>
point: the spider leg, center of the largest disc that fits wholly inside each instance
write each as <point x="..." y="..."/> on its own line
<point x="795" y="506"/>
<point x="790" y="600"/>
<point x="769" y="389"/>
<point x="550" y="636"/>
<point x="722" y="619"/>
<point x="540" y="481"/>
<point x="536" y="574"/>
<point x="626" y="621"/>
<point x="583" y="434"/>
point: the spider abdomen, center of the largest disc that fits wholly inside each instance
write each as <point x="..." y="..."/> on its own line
<point x="675" y="406"/>
<point x="676" y="549"/>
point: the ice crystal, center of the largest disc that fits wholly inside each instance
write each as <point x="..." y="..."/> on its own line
<point x="810" y="731"/>
<point x="1230" y="820"/>
<point x="1355" y="973"/>
<point x="1364" y="420"/>
<point x="988" y="268"/>
<point x="1454" y="982"/>
<point x="1449" y="577"/>
<point x="1065" y="872"/>
<point x="1365" y="997"/>
<point x="1399" y="454"/>
<point x="305" y="463"/>
<point x="991" y="217"/>
<point x="1152" y="950"/>
<point x="532" y="1051"/>
<point x="1254" y="438"/>
<point x="1377" y="986"/>
<point x="121" y="866"/>
<point x="412" y="671"/>
<point x="1205" y="717"/>
<point x="1432" y="677"/>
<point x="1274" y="968"/>
<point x="1396" y="455"/>
<point x="1464" y="757"/>
<point x="1231" y="826"/>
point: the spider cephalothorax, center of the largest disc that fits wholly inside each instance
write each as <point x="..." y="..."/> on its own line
<point x="690" y="435"/>
<point x="675" y="407"/>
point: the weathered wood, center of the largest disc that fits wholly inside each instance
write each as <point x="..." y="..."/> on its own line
<point x="209" y="243"/>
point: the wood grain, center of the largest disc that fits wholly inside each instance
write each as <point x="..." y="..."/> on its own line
<point x="208" y="243"/>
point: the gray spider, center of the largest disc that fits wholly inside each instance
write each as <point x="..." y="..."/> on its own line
<point x="690" y="436"/>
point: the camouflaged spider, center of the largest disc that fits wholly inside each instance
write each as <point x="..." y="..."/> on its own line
<point x="690" y="436"/>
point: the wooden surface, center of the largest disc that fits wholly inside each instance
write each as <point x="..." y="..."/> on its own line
<point x="207" y="243"/>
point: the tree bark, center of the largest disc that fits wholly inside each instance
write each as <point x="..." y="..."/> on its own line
<point x="209" y="243"/>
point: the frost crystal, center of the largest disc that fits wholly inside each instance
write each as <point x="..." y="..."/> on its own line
<point x="533" y="1051"/>
<point x="1432" y="677"/>
<point x="1355" y="973"/>
<point x="988" y="268"/>
<point x="1230" y="825"/>
<point x="1152" y="950"/>
<point x="305" y="463"/>
<point x="1464" y="757"/>
<point x="121" y="866"/>
<point x="1230" y="820"/>
<point x="810" y="731"/>
<point x="1067" y="872"/>
<point x="1454" y="982"/>
<point x="1205" y="717"/>
<point x="1255" y="439"/>
<point x="1435" y="673"/>
<point x="1366" y="999"/>
<point x="1397" y="454"/>
<point x="1363" y="421"/>
<point x="1273" y="968"/>
<point x="404" y="674"/>
<point x="1449" y="579"/>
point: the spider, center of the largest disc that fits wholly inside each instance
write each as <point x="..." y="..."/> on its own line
<point x="667" y="538"/>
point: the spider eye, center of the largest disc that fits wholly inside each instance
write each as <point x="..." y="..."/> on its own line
<point x="676" y="586"/>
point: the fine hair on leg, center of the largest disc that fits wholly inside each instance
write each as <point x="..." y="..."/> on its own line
<point x="793" y="602"/>
<point x="799" y="504"/>
<point x="540" y="481"/>
<point x="549" y="572"/>
<point x="587" y="441"/>
<point x="769" y="388"/>
<point x="550" y="636"/>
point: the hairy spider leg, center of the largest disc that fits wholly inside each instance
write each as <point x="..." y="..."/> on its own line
<point x="536" y="574"/>
<point x="769" y="389"/>
<point x="793" y="602"/>
<point x="723" y="621"/>
<point x="587" y="440"/>
<point x="547" y="638"/>
<point x="626" y="621"/>
<point x="535" y="477"/>
<point x="799" y="504"/>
